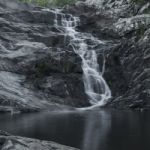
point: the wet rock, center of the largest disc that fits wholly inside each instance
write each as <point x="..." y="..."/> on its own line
<point x="35" y="54"/>
<point x="68" y="87"/>
<point x="20" y="143"/>
<point x="126" y="25"/>
<point x="132" y="75"/>
<point x="44" y="65"/>
<point x="56" y="61"/>
<point x="137" y="104"/>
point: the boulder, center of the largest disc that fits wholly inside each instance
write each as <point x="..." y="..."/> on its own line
<point x="8" y="142"/>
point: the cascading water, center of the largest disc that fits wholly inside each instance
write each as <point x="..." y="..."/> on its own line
<point x="95" y="2"/>
<point x="84" y="45"/>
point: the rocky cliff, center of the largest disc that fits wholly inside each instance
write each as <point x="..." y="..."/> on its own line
<point x="125" y="25"/>
<point x="39" y="70"/>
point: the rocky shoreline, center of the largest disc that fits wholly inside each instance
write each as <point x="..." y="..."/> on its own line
<point x="9" y="142"/>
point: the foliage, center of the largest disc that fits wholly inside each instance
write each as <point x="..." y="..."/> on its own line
<point x="50" y="2"/>
<point x="62" y="2"/>
<point x="140" y="1"/>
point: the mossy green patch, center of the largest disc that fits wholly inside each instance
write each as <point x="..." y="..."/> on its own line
<point x="50" y="2"/>
<point x="140" y="2"/>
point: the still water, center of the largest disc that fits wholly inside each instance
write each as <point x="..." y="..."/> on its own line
<point x="90" y="130"/>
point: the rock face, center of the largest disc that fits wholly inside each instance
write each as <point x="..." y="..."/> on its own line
<point x="126" y="24"/>
<point x="39" y="70"/>
<point x="8" y="142"/>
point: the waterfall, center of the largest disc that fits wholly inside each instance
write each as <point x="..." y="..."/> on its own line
<point x="84" y="45"/>
<point x="95" y="2"/>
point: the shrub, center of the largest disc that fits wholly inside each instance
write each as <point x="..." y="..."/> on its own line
<point x="50" y="2"/>
<point x="140" y="1"/>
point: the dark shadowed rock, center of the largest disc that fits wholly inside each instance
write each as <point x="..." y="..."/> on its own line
<point x="129" y="77"/>
<point x="126" y="25"/>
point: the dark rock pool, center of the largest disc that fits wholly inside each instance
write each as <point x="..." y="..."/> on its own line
<point x="87" y="130"/>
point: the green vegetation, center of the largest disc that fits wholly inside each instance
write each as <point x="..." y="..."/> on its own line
<point x="140" y="32"/>
<point x="62" y="2"/>
<point x="140" y="1"/>
<point x="50" y="2"/>
<point x="38" y="2"/>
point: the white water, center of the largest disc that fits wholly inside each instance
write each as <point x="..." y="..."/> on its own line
<point x="95" y="2"/>
<point x="84" y="45"/>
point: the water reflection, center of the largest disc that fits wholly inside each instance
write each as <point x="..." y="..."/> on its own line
<point x="97" y="126"/>
<point x="87" y="130"/>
